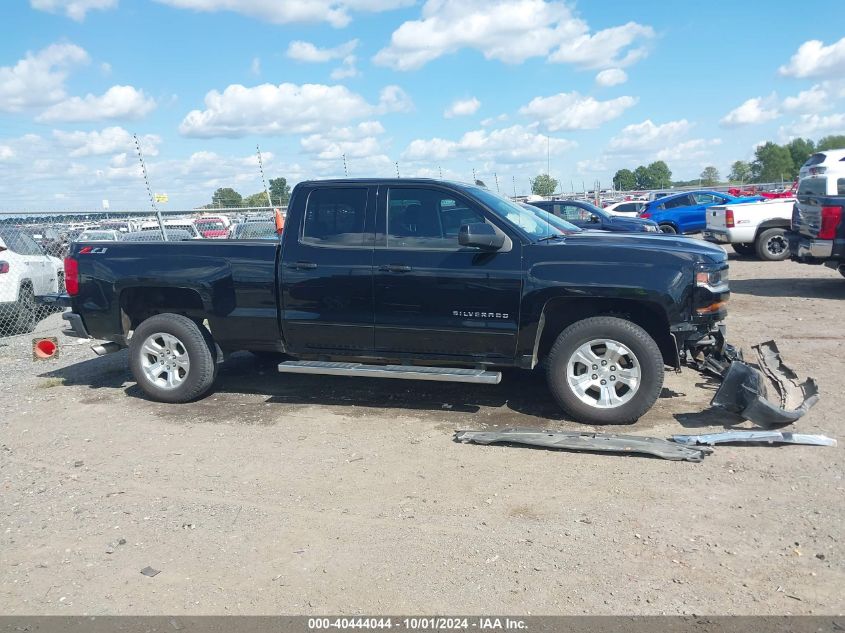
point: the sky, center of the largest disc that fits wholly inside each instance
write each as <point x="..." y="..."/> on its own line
<point x="496" y="89"/>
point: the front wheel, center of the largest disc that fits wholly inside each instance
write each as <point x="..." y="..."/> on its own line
<point x="605" y="370"/>
<point x="772" y="245"/>
<point x="172" y="358"/>
<point x="668" y="228"/>
<point x="26" y="310"/>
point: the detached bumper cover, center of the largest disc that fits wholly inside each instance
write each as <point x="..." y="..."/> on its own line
<point x="745" y="390"/>
<point x="754" y="437"/>
<point x="590" y="442"/>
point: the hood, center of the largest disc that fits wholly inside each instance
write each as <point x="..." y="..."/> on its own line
<point x="628" y="223"/>
<point x="599" y="241"/>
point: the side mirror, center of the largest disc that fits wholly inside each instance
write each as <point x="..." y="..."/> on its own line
<point x="480" y="235"/>
<point x="595" y="219"/>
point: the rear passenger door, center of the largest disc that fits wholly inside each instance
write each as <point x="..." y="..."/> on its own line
<point x="327" y="273"/>
<point x="434" y="297"/>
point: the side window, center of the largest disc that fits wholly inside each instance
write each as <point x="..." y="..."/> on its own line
<point x="28" y="245"/>
<point x="13" y="242"/>
<point x="840" y="185"/>
<point x="426" y="219"/>
<point x="335" y="217"/>
<point x="680" y="201"/>
<point x="572" y="213"/>
<point x="706" y="198"/>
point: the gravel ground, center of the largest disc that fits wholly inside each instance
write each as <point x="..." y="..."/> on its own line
<point x="306" y="495"/>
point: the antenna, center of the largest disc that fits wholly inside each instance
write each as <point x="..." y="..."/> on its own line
<point x="149" y="189"/>
<point x="345" y="170"/>
<point x="263" y="180"/>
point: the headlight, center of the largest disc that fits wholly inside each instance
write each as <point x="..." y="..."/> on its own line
<point x="652" y="228"/>
<point x="712" y="279"/>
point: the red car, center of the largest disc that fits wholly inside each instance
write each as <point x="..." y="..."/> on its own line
<point x="212" y="228"/>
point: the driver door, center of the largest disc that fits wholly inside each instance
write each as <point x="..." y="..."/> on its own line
<point x="434" y="297"/>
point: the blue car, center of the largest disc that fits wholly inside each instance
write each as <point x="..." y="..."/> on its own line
<point x="686" y="212"/>
<point x="587" y="216"/>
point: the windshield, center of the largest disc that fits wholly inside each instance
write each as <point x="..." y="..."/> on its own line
<point x="536" y="223"/>
<point x="211" y="225"/>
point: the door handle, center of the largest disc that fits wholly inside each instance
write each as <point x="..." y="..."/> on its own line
<point x="302" y="265"/>
<point x="395" y="268"/>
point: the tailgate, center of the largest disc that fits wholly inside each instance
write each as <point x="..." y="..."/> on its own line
<point x="715" y="217"/>
<point x="807" y="218"/>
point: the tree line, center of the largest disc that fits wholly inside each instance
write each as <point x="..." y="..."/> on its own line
<point x="226" y="197"/>
<point x="772" y="163"/>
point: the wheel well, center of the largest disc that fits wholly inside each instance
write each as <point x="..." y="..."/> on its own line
<point x="559" y="314"/>
<point x="772" y="224"/>
<point x="138" y="304"/>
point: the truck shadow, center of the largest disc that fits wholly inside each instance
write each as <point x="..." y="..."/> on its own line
<point x="833" y="288"/>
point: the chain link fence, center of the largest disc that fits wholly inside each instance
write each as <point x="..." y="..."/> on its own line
<point x="33" y="246"/>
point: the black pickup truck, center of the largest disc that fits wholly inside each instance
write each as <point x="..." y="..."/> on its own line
<point x="416" y="279"/>
<point x="818" y="222"/>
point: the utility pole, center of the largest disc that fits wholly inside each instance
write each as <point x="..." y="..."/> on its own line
<point x="149" y="189"/>
<point x="263" y="179"/>
<point x="397" y="169"/>
<point x="345" y="170"/>
<point x="514" y="186"/>
<point x="548" y="156"/>
<point x="496" y="178"/>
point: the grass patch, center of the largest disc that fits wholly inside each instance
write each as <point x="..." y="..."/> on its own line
<point x="50" y="383"/>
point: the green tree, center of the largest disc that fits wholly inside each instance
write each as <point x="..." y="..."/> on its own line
<point x="226" y="197"/>
<point x="660" y="175"/>
<point x="709" y="176"/>
<point x="256" y="200"/>
<point x="800" y="150"/>
<point x="642" y="178"/>
<point x="543" y="185"/>
<point x="624" y="180"/>
<point x="835" y="141"/>
<point x="772" y="162"/>
<point x="740" y="171"/>
<point x="279" y="190"/>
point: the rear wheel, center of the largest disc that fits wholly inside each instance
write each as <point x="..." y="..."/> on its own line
<point x="25" y="310"/>
<point x="772" y="245"/>
<point x="668" y="228"/>
<point x="172" y="358"/>
<point x="605" y="370"/>
<point x="745" y="250"/>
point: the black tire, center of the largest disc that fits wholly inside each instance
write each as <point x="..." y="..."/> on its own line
<point x="744" y="250"/>
<point x="646" y="355"/>
<point x="26" y="312"/>
<point x="668" y="228"/>
<point x="771" y="245"/>
<point x="198" y="345"/>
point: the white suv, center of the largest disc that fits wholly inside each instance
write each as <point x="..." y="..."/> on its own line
<point x="828" y="163"/>
<point x="26" y="272"/>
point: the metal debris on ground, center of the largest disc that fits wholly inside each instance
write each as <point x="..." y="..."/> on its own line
<point x="149" y="571"/>
<point x="745" y="390"/>
<point x="599" y="442"/>
<point x="754" y="437"/>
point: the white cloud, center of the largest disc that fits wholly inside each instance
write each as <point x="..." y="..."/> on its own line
<point x="39" y="78"/>
<point x="751" y="112"/>
<point x="6" y="152"/>
<point x="285" y="109"/>
<point x="354" y="141"/>
<point x="645" y="136"/>
<point x="335" y="12"/>
<point x="462" y="107"/>
<point x="118" y="102"/>
<point x="110" y="140"/>
<point x="611" y="77"/>
<point x="510" y="31"/>
<point x="508" y="145"/>
<point x="346" y="70"/>
<point x="74" y="9"/>
<point x="688" y="151"/>
<point x="814" y="125"/>
<point x="572" y="111"/>
<point x="815" y="99"/>
<point x="308" y="52"/>
<point x="814" y="59"/>
<point x="255" y="66"/>
<point x="494" y="119"/>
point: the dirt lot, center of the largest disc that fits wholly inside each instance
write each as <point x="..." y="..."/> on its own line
<point x="331" y="495"/>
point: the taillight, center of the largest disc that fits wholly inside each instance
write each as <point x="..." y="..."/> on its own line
<point x="645" y="214"/>
<point x="830" y="220"/>
<point x="4" y="267"/>
<point x="729" y="218"/>
<point x="71" y="276"/>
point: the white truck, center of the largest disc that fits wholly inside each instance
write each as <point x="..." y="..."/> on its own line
<point x="752" y="228"/>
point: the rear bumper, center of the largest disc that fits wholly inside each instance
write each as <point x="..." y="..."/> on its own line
<point x="75" y="327"/>
<point x="717" y="237"/>
<point x="805" y="248"/>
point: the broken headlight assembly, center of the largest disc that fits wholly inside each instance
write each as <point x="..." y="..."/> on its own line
<point x="711" y="291"/>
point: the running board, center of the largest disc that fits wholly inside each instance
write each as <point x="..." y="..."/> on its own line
<point x="406" y="372"/>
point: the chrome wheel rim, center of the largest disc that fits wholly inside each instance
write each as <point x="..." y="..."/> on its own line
<point x="776" y="245"/>
<point x="604" y="373"/>
<point x="164" y="360"/>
